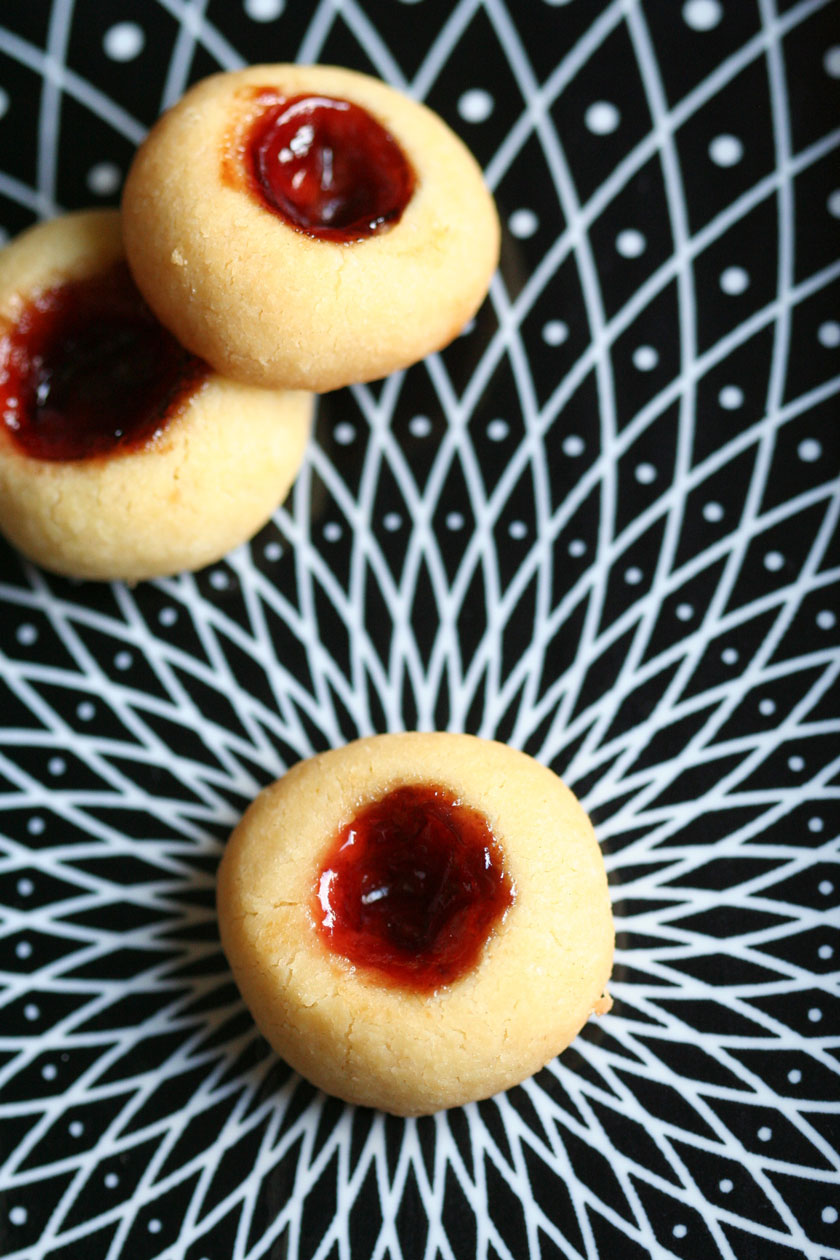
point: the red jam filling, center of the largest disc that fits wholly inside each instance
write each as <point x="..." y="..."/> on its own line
<point x="412" y="888"/>
<point x="327" y="167"/>
<point x="88" y="371"/>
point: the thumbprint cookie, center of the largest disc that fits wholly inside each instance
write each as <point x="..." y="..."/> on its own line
<point x="123" y="455"/>
<point x="417" y="920"/>
<point x="308" y="227"/>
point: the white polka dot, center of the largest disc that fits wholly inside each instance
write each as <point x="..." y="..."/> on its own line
<point x="85" y="711"/>
<point x="25" y="886"/>
<point x="796" y="763"/>
<point x="729" y="656"/>
<point x="809" y="450"/>
<point x="685" y="612"/>
<point x="815" y="824"/>
<point x="49" y="1071"/>
<point x="828" y="334"/>
<point x="124" y="41"/>
<point x="815" y="1015"/>
<point x="18" y="1215"/>
<point x="829" y="1215"/>
<point x="31" y="1012"/>
<point x="344" y="433"/>
<point x="555" y="332"/>
<point x="454" y="520"/>
<point x="833" y="203"/>
<point x="154" y="1226"/>
<point x="794" y="1076"/>
<point x="168" y="616"/>
<point x="75" y="1128"/>
<point x="773" y="561"/>
<point x="419" y="426"/>
<point x="26" y="634"/>
<point x="765" y="1133"/>
<point x="602" y="118"/>
<point x="23" y="949"/>
<point x="825" y="887"/>
<point x="518" y="529"/>
<point x="475" y="106"/>
<point x="573" y="445"/>
<point x="56" y="765"/>
<point x="767" y="707"/>
<point x="731" y="398"/>
<point x="726" y="1186"/>
<point x="123" y="660"/>
<point x="645" y="474"/>
<point x="645" y="358"/>
<point x="825" y="952"/>
<point x="104" y="178"/>
<point x="263" y="10"/>
<point x="826" y="619"/>
<point x="726" y="150"/>
<point x="272" y="551"/>
<point x="523" y="223"/>
<point x="332" y="531"/>
<point x="4" y="102"/>
<point x="577" y="547"/>
<point x="497" y="430"/>
<point x="392" y="521"/>
<point x="111" y="1180"/>
<point x="680" y="1231"/>
<point x="633" y="575"/>
<point x="702" y="15"/>
<point x="734" y="280"/>
<point x="36" y="826"/>
<point x="712" y="512"/>
<point x="630" y="243"/>
<point x="831" y="61"/>
<point x="220" y="579"/>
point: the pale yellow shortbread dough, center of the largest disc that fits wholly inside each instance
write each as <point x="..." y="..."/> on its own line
<point x="262" y="301"/>
<point x="542" y="974"/>
<point x="205" y="484"/>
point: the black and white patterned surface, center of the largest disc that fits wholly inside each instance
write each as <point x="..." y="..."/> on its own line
<point x="602" y="526"/>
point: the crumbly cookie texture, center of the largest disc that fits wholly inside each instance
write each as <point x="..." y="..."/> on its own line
<point x="542" y="973"/>
<point x="206" y="483"/>
<point x="264" y="302"/>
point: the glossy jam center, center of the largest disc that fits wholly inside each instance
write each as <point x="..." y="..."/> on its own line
<point x="413" y="887"/>
<point x="88" y="371"/>
<point x="328" y="167"/>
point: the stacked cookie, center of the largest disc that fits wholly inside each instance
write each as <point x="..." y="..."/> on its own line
<point x="287" y="230"/>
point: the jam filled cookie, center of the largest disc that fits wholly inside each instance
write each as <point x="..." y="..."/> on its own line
<point x="417" y="920"/>
<point x="121" y="454"/>
<point x="308" y="227"/>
